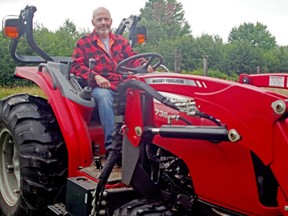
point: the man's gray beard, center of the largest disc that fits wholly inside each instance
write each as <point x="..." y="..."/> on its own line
<point x="104" y="33"/>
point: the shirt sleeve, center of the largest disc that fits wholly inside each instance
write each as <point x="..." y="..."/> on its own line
<point x="80" y="65"/>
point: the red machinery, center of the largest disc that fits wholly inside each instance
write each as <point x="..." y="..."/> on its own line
<point x="190" y="145"/>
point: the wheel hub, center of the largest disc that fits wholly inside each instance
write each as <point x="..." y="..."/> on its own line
<point x="9" y="168"/>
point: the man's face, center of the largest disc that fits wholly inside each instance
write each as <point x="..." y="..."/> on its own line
<point x="102" y="22"/>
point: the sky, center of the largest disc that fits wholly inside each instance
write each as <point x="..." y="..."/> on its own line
<point x="213" y="17"/>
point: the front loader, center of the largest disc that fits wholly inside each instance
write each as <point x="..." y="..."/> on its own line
<point x="188" y="145"/>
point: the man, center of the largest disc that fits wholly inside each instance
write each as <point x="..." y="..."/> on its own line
<point x="108" y="50"/>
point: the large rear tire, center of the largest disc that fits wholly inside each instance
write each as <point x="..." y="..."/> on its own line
<point x="33" y="156"/>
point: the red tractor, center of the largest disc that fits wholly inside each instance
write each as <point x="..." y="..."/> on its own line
<point x="189" y="145"/>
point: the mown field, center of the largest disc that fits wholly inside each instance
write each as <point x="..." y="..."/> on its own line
<point x="33" y="90"/>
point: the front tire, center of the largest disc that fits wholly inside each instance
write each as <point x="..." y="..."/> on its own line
<point x="143" y="207"/>
<point x="33" y="156"/>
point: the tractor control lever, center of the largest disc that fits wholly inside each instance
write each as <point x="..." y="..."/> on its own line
<point x="91" y="66"/>
<point x="86" y="92"/>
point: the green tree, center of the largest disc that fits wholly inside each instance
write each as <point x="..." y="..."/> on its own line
<point x="166" y="25"/>
<point x="269" y="60"/>
<point x="70" y="28"/>
<point x="58" y="43"/>
<point x="257" y="35"/>
<point x="164" y="19"/>
<point x="283" y="56"/>
<point x="6" y="63"/>
<point x="274" y="60"/>
<point x="68" y="31"/>
<point x="211" y="47"/>
<point x="241" y="58"/>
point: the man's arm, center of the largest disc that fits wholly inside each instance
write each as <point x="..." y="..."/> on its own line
<point x="79" y="65"/>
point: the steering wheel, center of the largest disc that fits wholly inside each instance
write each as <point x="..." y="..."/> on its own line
<point x="150" y="57"/>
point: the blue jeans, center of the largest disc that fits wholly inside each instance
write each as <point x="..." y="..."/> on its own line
<point x="104" y="104"/>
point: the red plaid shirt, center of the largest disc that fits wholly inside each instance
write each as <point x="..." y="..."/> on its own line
<point x="90" y="46"/>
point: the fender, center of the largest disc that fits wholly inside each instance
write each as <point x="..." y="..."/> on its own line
<point x="72" y="114"/>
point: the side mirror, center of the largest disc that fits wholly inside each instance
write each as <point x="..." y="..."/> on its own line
<point x="12" y="27"/>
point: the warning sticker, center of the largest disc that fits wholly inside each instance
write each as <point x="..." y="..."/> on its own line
<point x="276" y="81"/>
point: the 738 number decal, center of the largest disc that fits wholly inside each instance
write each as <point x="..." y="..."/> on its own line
<point x="161" y="113"/>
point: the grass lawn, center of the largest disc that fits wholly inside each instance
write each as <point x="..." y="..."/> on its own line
<point x="33" y="90"/>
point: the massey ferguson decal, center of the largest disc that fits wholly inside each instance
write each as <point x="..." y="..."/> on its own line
<point x="173" y="81"/>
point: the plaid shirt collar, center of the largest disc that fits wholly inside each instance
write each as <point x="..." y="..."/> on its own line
<point x="95" y="37"/>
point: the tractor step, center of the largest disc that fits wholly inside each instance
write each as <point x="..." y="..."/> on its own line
<point x="58" y="209"/>
<point x="96" y="168"/>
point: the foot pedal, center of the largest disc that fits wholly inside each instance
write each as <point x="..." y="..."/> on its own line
<point x="58" y="209"/>
<point x="98" y="162"/>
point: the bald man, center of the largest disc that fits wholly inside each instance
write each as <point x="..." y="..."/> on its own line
<point x="108" y="50"/>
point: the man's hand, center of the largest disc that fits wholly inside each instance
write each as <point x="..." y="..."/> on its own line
<point x="143" y="61"/>
<point x="102" y="82"/>
<point x="150" y="69"/>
